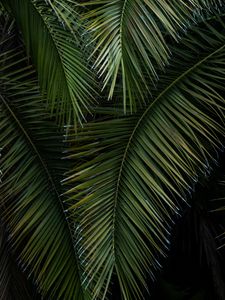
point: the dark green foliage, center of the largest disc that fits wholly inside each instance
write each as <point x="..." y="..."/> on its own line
<point x="96" y="210"/>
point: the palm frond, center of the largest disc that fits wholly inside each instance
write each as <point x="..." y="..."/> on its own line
<point x="132" y="174"/>
<point x="63" y="73"/>
<point x="129" y="38"/>
<point x="30" y="190"/>
<point x="68" y="12"/>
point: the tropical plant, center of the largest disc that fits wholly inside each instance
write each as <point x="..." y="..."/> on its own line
<point x="111" y="133"/>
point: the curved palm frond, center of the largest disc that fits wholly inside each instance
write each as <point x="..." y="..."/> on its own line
<point x="129" y="38"/>
<point x="63" y="73"/>
<point x="132" y="173"/>
<point x="30" y="189"/>
<point x="70" y="14"/>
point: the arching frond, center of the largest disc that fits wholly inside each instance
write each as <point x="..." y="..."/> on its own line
<point x="63" y="73"/>
<point x="130" y="42"/>
<point x="30" y="199"/>
<point x="132" y="174"/>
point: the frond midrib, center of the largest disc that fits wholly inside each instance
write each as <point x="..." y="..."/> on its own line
<point x="139" y="121"/>
<point x="46" y="171"/>
<point x="34" y="148"/>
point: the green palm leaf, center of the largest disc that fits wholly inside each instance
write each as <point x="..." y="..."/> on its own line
<point x="34" y="214"/>
<point x="130" y="42"/>
<point x="68" y="12"/>
<point x="133" y="172"/>
<point x="63" y="73"/>
<point x="30" y="190"/>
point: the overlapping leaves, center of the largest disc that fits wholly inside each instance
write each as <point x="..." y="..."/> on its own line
<point x="63" y="73"/>
<point x="30" y="203"/>
<point x="132" y="174"/>
<point x="130" y="42"/>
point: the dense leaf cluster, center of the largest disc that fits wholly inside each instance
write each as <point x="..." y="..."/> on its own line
<point x="112" y="117"/>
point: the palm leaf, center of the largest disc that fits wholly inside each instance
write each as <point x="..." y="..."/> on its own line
<point x="129" y="38"/>
<point x="30" y="190"/>
<point x="68" y="12"/>
<point x="64" y="76"/>
<point x="132" y="174"/>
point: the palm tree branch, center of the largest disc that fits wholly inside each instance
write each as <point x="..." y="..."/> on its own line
<point x="144" y="168"/>
<point x="54" y="42"/>
<point x="38" y="154"/>
<point x="40" y="234"/>
<point x="66" y="79"/>
<point x="129" y="40"/>
<point x="162" y="94"/>
<point x="16" y="229"/>
<point x="32" y="145"/>
<point x="146" y="112"/>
